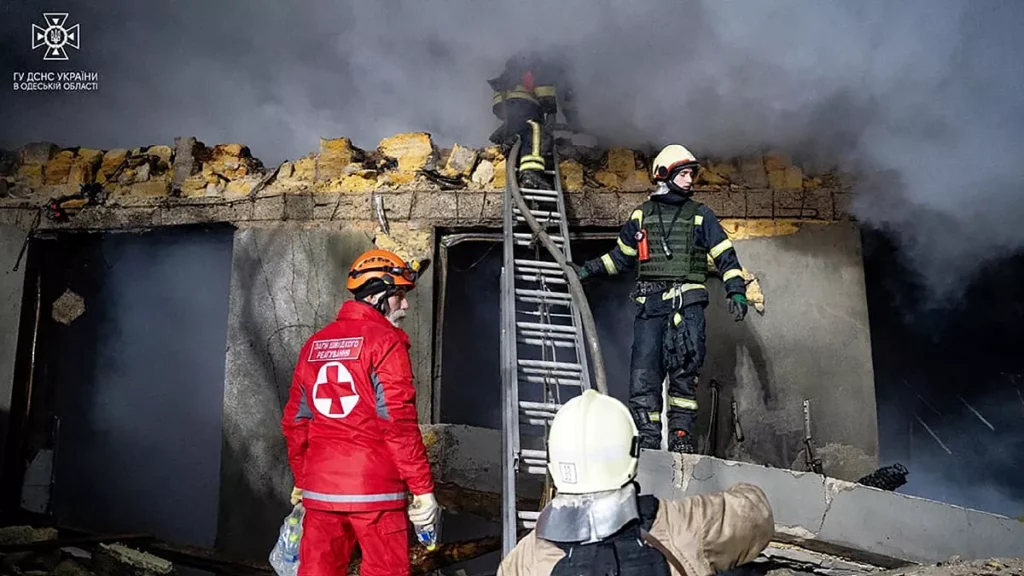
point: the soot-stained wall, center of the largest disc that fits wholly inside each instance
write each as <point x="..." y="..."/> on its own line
<point x="813" y="342"/>
<point x="11" y="286"/>
<point x="285" y="285"/>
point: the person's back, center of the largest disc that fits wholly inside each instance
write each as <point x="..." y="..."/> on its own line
<point x="597" y="524"/>
<point x="354" y="444"/>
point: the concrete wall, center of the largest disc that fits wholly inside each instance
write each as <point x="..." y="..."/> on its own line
<point x="827" y="514"/>
<point x="286" y="283"/>
<point x="11" y="286"/>
<point x="812" y="342"/>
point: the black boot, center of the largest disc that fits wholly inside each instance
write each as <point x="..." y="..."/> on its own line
<point x="681" y="442"/>
<point x="535" y="179"/>
<point x="649" y="443"/>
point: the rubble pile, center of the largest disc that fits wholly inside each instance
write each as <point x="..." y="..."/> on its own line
<point x="28" y="551"/>
<point x="405" y="161"/>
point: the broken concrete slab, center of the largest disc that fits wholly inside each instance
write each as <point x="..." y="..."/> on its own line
<point x="826" y="514"/>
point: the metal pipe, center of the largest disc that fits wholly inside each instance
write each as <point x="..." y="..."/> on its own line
<point x="575" y="286"/>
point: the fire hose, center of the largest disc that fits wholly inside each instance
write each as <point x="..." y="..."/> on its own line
<point x="575" y="286"/>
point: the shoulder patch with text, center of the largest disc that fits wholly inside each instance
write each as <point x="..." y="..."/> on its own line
<point x="336" y="349"/>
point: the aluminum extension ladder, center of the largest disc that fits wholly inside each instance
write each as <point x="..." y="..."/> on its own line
<point x="543" y="352"/>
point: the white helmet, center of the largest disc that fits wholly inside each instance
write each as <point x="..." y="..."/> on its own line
<point x="593" y="445"/>
<point x="671" y="158"/>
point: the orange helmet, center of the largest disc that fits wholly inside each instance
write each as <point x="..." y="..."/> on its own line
<point x="384" y="266"/>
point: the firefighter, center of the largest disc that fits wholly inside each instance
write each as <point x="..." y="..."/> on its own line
<point x="354" y="444"/>
<point x="598" y="524"/>
<point x="670" y="236"/>
<point x="526" y="101"/>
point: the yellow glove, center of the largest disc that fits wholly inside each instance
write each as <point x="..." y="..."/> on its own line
<point x="296" y="496"/>
<point x="423" y="510"/>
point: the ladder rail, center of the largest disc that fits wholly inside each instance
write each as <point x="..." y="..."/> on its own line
<point x="525" y="283"/>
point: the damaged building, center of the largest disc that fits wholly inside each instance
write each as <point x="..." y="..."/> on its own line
<point x="158" y="297"/>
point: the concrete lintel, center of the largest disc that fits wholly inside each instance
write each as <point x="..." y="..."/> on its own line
<point x="825" y="513"/>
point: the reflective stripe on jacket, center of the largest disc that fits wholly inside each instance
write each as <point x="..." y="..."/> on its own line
<point x="708" y="533"/>
<point x="350" y="423"/>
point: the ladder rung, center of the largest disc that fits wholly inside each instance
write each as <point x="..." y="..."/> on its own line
<point x="545" y="342"/>
<point x="529" y="524"/>
<point x="541" y="406"/>
<point x="538" y="470"/>
<point x="527" y="515"/>
<point x="549" y="272"/>
<point x="546" y="295"/>
<point x="544" y="314"/>
<point x="550" y="373"/>
<point x="534" y="454"/>
<point x="524" y="239"/>
<point x="546" y="327"/>
<point x="539" y="192"/>
<point x="537" y="264"/>
<point x="548" y="335"/>
<point x="549" y="214"/>
<point x="549" y="364"/>
<point x="550" y="380"/>
<point x="535" y="198"/>
<point x="537" y="421"/>
<point x="539" y="279"/>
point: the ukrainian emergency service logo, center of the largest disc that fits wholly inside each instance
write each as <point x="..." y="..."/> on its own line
<point x="334" y="394"/>
<point x="55" y="36"/>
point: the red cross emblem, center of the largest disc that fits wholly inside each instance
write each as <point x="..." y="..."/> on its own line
<point x="334" y="394"/>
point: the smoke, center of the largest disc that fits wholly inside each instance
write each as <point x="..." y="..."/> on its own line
<point x="920" y="100"/>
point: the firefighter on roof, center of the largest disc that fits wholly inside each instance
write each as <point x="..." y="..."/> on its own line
<point x="354" y="444"/>
<point x="669" y="237"/>
<point x="526" y="101"/>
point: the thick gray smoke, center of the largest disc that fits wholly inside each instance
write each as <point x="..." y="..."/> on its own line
<point x="921" y="99"/>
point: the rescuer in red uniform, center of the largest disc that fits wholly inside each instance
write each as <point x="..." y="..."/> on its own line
<point x="350" y="423"/>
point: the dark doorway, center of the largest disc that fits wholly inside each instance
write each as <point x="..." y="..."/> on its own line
<point x="128" y="384"/>
<point x="948" y="379"/>
<point x="470" y="369"/>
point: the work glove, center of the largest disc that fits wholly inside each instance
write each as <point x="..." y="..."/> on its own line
<point x="676" y="348"/>
<point x="581" y="271"/>
<point x="296" y="496"/>
<point x="423" y="510"/>
<point x="738" y="306"/>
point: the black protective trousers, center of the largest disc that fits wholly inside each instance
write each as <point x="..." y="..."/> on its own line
<point x="647" y="372"/>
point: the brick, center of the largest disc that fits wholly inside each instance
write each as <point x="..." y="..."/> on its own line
<point x="298" y="206"/>
<point x="734" y="205"/>
<point x="111" y="160"/>
<point x="579" y="208"/>
<point x="31" y="175"/>
<point x="470" y="205"/>
<point x="493" y="205"/>
<point x="752" y="173"/>
<point x="789" y="203"/>
<point x="713" y="200"/>
<point x="818" y="204"/>
<point x="37" y="152"/>
<point x="412" y="150"/>
<point x="621" y="161"/>
<point x="271" y="208"/>
<point x="56" y="171"/>
<point x="335" y="155"/>
<point x="572" y="175"/>
<point x="605" y="206"/>
<point x="397" y="205"/>
<point x="760" y="204"/>
<point x="843" y="203"/>
<point x="359" y="183"/>
<point x="153" y="188"/>
<point x="461" y="161"/>
<point x="607" y="179"/>
<point x="434" y="206"/>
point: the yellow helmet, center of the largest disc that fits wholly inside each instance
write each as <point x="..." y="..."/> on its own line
<point x="672" y="158"/>
<point x="593" y="445"/>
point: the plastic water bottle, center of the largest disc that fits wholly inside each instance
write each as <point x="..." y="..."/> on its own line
<point x="427" y="536"/>
<point x="284" y="558"/>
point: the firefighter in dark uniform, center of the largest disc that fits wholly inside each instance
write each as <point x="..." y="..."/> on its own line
<point x="670" y="236"/>
<point x="526" y="101"/>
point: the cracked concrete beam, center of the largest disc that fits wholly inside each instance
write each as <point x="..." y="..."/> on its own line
<point x="826" y="514"/>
